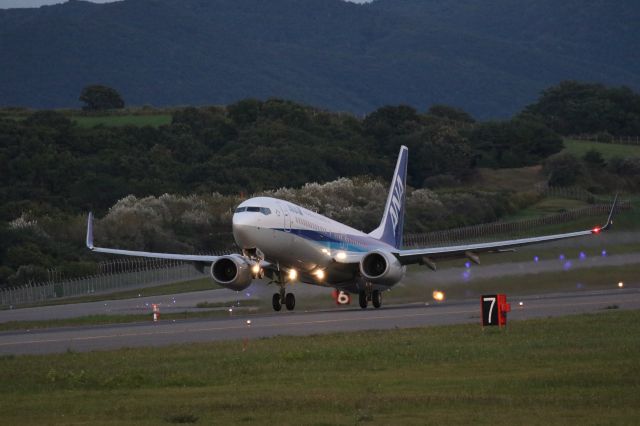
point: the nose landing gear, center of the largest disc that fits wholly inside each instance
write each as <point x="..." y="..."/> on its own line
<point x="283" y="298"/>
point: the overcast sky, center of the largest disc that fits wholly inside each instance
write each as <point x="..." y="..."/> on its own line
<point x="8" y="4"/>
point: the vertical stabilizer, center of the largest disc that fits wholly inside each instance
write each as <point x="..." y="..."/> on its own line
<point x="390" y="229"/>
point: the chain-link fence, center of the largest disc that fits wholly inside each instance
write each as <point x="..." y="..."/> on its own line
<point x="606" y="138"/>
<point x="119" y="274"/>
<point x="470" y="233"/>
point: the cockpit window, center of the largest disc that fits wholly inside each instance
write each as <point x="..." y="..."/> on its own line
<point x="264" y="210"/>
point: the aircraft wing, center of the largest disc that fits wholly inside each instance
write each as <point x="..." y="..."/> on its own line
<point x="426" y="255"/>
<point x="187" y="257"/>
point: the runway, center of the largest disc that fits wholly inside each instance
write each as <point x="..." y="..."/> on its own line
<point x="304" y="323"/>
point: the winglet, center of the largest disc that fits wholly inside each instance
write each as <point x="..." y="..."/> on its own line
<point x="611" y="213"/>
<point x="90" y="231"/>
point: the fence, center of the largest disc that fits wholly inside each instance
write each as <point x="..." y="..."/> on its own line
<point x="488" y="229"/>
<point x="123" y="274"/>
<point x="572" y="193"/>
<point x="131" y="273"/>
<point x="605" y="138"/>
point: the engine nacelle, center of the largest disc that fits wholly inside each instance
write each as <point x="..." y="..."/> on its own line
<point x="381" y="267"/>
<point x="232" y="272"/>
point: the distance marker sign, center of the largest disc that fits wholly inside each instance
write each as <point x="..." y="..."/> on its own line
<point x="494" y="309"/>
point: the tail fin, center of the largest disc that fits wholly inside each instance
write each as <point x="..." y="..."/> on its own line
<point x="390" y="229"/>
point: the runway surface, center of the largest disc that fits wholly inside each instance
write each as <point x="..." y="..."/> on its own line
<point x="260" y="291"/>
<point x="303" y="323"/>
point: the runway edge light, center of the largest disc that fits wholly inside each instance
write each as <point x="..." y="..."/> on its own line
<point x="494" y="309"/>
<point x="156" y="312"/>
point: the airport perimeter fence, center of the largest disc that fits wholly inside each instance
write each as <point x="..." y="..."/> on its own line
<point x="133" y="273"/>
<point x="605" y="138"/>
<point x="570" y="192"/>
<point x="487" y="230"/>
<point x="118" y="274"/>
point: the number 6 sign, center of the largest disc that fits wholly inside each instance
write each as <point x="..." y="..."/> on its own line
<point x="341" y="297"/>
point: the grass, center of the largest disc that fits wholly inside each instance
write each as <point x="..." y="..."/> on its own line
<point x="577" y="369"/>
<point x="154" y="120"/>
<point x="598" y="278"/>
<point x="545" y="207"/>
<point x="608" y="150"/>
<point x="527" y="254"/>
<point x="517" y="179"/>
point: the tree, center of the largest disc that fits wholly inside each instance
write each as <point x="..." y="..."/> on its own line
<point x="51" y="119"/>
<point x="514" y="143"/>
<point x="99" y="98"/>
<point x="576" y="108"/>
<point x="451" y="113"/>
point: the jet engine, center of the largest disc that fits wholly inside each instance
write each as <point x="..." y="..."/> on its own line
<point x="232" y="272"/>
<point x="381" y="267"/>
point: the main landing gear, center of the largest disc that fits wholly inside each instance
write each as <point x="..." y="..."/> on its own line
<point x="288" y="299"/>
<point x="375" y="296"/>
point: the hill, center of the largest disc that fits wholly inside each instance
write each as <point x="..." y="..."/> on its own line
<point x="489" y="58"/>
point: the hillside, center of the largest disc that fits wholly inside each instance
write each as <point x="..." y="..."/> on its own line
<point x="491" y="60"/>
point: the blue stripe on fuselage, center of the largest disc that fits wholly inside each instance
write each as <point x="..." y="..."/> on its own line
<point x="336" y="241"/>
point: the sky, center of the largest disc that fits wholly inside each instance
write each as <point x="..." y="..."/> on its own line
<point x="9" y="4"/>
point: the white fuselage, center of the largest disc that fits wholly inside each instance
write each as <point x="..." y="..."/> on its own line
<point x="294" y="237"/>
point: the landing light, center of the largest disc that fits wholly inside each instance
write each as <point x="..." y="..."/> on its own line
<point x="319" y="274"/>
<point x="341" y="255"/>
<point x="620" y="284"/>
<point x="293" y="274"/>
<point x="255" y="269"/>
<point x="438" y="296"/>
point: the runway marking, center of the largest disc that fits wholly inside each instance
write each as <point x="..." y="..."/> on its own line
<point x="388" y="315"/>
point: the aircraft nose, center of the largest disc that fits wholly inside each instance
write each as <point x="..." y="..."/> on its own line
<point x="241" y="224"/>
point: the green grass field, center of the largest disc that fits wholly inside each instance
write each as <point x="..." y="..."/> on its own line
<point x="517" y="179"/>
<point x="154" y="120"/>
<point x="572" y="370"/>
<point x="607" y="150"/>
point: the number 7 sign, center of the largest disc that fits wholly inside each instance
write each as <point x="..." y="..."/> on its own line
<point x="494" y="309"/>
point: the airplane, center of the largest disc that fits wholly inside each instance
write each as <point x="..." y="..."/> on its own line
<point x="287" y="243"/>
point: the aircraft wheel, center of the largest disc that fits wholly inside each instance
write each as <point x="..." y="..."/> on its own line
<point x="276" y="302"/>
<point x="290" y="301"/>
<point x="363" y="300"/>
<point x="376" y="298"/>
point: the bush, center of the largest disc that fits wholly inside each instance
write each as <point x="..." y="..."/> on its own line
<point x="626" y="167"/>
<point x="563" y="169"/>
<point x="594" y="159"/>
